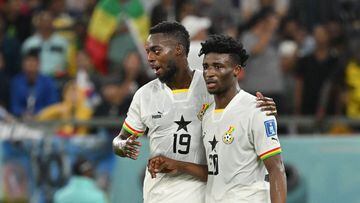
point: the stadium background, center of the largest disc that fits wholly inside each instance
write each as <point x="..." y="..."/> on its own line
<point x="94" y="61"/>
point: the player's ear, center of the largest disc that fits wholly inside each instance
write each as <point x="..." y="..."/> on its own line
<point x="239" y="72"/>
<point x="179" y="49"/>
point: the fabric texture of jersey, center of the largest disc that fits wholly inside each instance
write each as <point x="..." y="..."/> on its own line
<point x="174" y="131"/>
<point x="236" y="140"/>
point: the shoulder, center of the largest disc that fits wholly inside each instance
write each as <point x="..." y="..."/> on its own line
<point x="148" y="89"/>
<point x="150" y="86"/>
<point x="247" y="100"/>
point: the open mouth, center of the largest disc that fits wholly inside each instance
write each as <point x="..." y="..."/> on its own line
<point x="156" y="69"/>
<point x="210" y="84"/>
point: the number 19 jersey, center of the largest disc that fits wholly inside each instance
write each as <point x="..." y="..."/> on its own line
<point x="174" y="131"/>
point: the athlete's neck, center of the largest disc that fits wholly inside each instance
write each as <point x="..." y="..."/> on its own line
<point x="182" y="79"/>
<point x="224" y="98"/>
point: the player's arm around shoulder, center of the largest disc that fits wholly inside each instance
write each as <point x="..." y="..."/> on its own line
<point x="161" y="164"/>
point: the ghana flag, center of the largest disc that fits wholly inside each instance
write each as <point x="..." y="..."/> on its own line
<point x="104" y="22"/>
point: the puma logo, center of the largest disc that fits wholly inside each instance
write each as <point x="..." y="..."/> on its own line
<point x="156" y="116"/>
<point x="273" y="138"/>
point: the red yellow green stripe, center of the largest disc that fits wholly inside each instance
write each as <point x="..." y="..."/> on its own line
<point x="231" y="129"/>
<point x="270" y="153"/>
<point x="131" y="130"/>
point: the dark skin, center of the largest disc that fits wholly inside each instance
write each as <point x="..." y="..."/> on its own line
<point x="167" y="57"/>
<point x="220" y="73"/>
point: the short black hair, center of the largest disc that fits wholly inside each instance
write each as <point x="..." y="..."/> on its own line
<point x="174" y="29"/>
<point x="225" y="45"/>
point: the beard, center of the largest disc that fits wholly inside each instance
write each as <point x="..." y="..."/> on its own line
<point x="169" y="73"/>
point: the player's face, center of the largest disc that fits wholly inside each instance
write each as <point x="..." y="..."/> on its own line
<point x="219" y="72"/>
<point x="160" y="51"/>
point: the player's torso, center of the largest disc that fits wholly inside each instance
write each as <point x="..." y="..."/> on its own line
<point x="230" y="153"/>
<point x="172" y="119"/>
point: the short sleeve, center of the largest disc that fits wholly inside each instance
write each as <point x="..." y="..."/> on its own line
<point x="265" y="138"/>
<point x="133" y="123"/>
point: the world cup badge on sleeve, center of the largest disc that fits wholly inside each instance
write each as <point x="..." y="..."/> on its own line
<point x="228" y="138"/>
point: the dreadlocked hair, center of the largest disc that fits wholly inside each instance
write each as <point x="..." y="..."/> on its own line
<point x="225" y="45"/>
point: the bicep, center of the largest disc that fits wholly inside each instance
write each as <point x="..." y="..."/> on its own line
<point x="274" y="163"/>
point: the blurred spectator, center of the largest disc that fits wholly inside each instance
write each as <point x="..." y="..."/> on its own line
<point x="17" y="19"/>
<point x="4" y="84"/>
<point x="166" y="10"/>
<point x="53" y="48"/>
<point x="81" y="187"/>
<point x="10" y="50"/>
<point x="263" y="71"/>
<point x="288" y="58"/>
<point x="293" y="30"/>
<point x="352" y="82"/>
<point x="250" y="7"/>
<point x="312" y="71"/>
<point x="72" y="107"/>
<point x="311" y="13"/>
<point x="121" y="45"/>
<point x="87" y="80"/>
<point x="64" y="26"/>
<point x="163" y="11"/>
<point x="198" y="31"/>
<point x="116" y="101"/>
<point x="221" y="14"/>
<point x="30" y="90"/>
<point x="76" y="7"/>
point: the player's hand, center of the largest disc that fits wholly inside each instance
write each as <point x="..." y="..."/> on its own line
<point x="161" y="164"/>
<point x="266" y="104"/>
<point x="153" y="164"/>
<point x="130" y="149"/>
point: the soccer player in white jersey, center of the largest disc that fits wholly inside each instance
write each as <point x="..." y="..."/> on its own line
<point x="242" y="147"/>
<point x="169" y="107"/>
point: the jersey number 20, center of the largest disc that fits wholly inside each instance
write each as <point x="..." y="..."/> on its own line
<point x="183" y="140"/>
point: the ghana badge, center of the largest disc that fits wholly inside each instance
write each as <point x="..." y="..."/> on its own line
<point x="201" y="113"/>
<point x="228" y="138"/>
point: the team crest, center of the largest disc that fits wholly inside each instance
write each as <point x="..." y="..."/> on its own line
<point x="201" y="113"/>
<point x="228" y="138"/>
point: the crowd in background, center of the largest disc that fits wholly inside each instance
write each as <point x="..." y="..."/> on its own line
<point x="305" y="54"/>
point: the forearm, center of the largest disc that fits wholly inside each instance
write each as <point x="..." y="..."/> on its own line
<point x="196" y="170"/>
<point x="278" y="186"/>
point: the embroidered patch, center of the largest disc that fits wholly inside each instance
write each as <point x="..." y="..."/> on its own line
<point x="270" y="128"/>
<point x="202" y="111"/>
<point x="228" y="138"/>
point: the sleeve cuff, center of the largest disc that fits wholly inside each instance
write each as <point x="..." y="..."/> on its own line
<point x="270" y="153"/>
<point x="132" y="130"/>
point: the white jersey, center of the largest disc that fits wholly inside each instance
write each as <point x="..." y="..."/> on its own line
<point x="174" y="131"/>
<point x="236" y="140"/>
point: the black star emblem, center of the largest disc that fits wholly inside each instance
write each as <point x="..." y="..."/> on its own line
<point x="213" y="143"/>
<point x="182" y="124"/>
